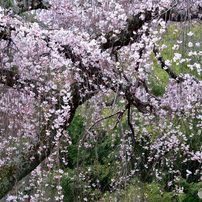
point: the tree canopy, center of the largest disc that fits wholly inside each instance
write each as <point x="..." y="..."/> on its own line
<point x="135" y="63"/>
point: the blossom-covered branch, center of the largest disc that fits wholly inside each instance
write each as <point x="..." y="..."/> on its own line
<point x="84" y="66"/>
<point x="28" y="5"/>
<point x="25" y="162"/>
<point x="165" y="67"/>
<point x="130" y="33"/>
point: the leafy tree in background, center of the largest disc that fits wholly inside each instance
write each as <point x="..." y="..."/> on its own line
<point x="112" y="63"/>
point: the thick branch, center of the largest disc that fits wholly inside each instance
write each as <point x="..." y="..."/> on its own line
<point x="20" y="166"/>
<point x="31" y="5"/>
<point x="135" y="22"/>
<point x="13" y="80"/>
<point x="101" y="80"/>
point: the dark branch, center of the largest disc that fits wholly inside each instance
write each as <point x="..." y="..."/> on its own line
<point x="134" y="23"/>
<point x="31" y="5"/>
<point x="20" y="166"/>
<point x="165" y="67"/>
<point x="131" y="127"/>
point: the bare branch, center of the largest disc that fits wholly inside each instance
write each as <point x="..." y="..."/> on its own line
<point x="107" y="117"/>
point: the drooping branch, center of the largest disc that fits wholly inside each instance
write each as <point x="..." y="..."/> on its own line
<point x="17" y="168"/>
<point x="25" y="162"/>
<point x="130" y="33"/>
<point x="21" y="165"/>
<point x="106" y="81"/>
<point x="172" y="74"/>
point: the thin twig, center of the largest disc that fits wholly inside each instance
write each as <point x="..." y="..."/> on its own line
<point x="131" y="127"/>
<point x="96" y="122"/>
